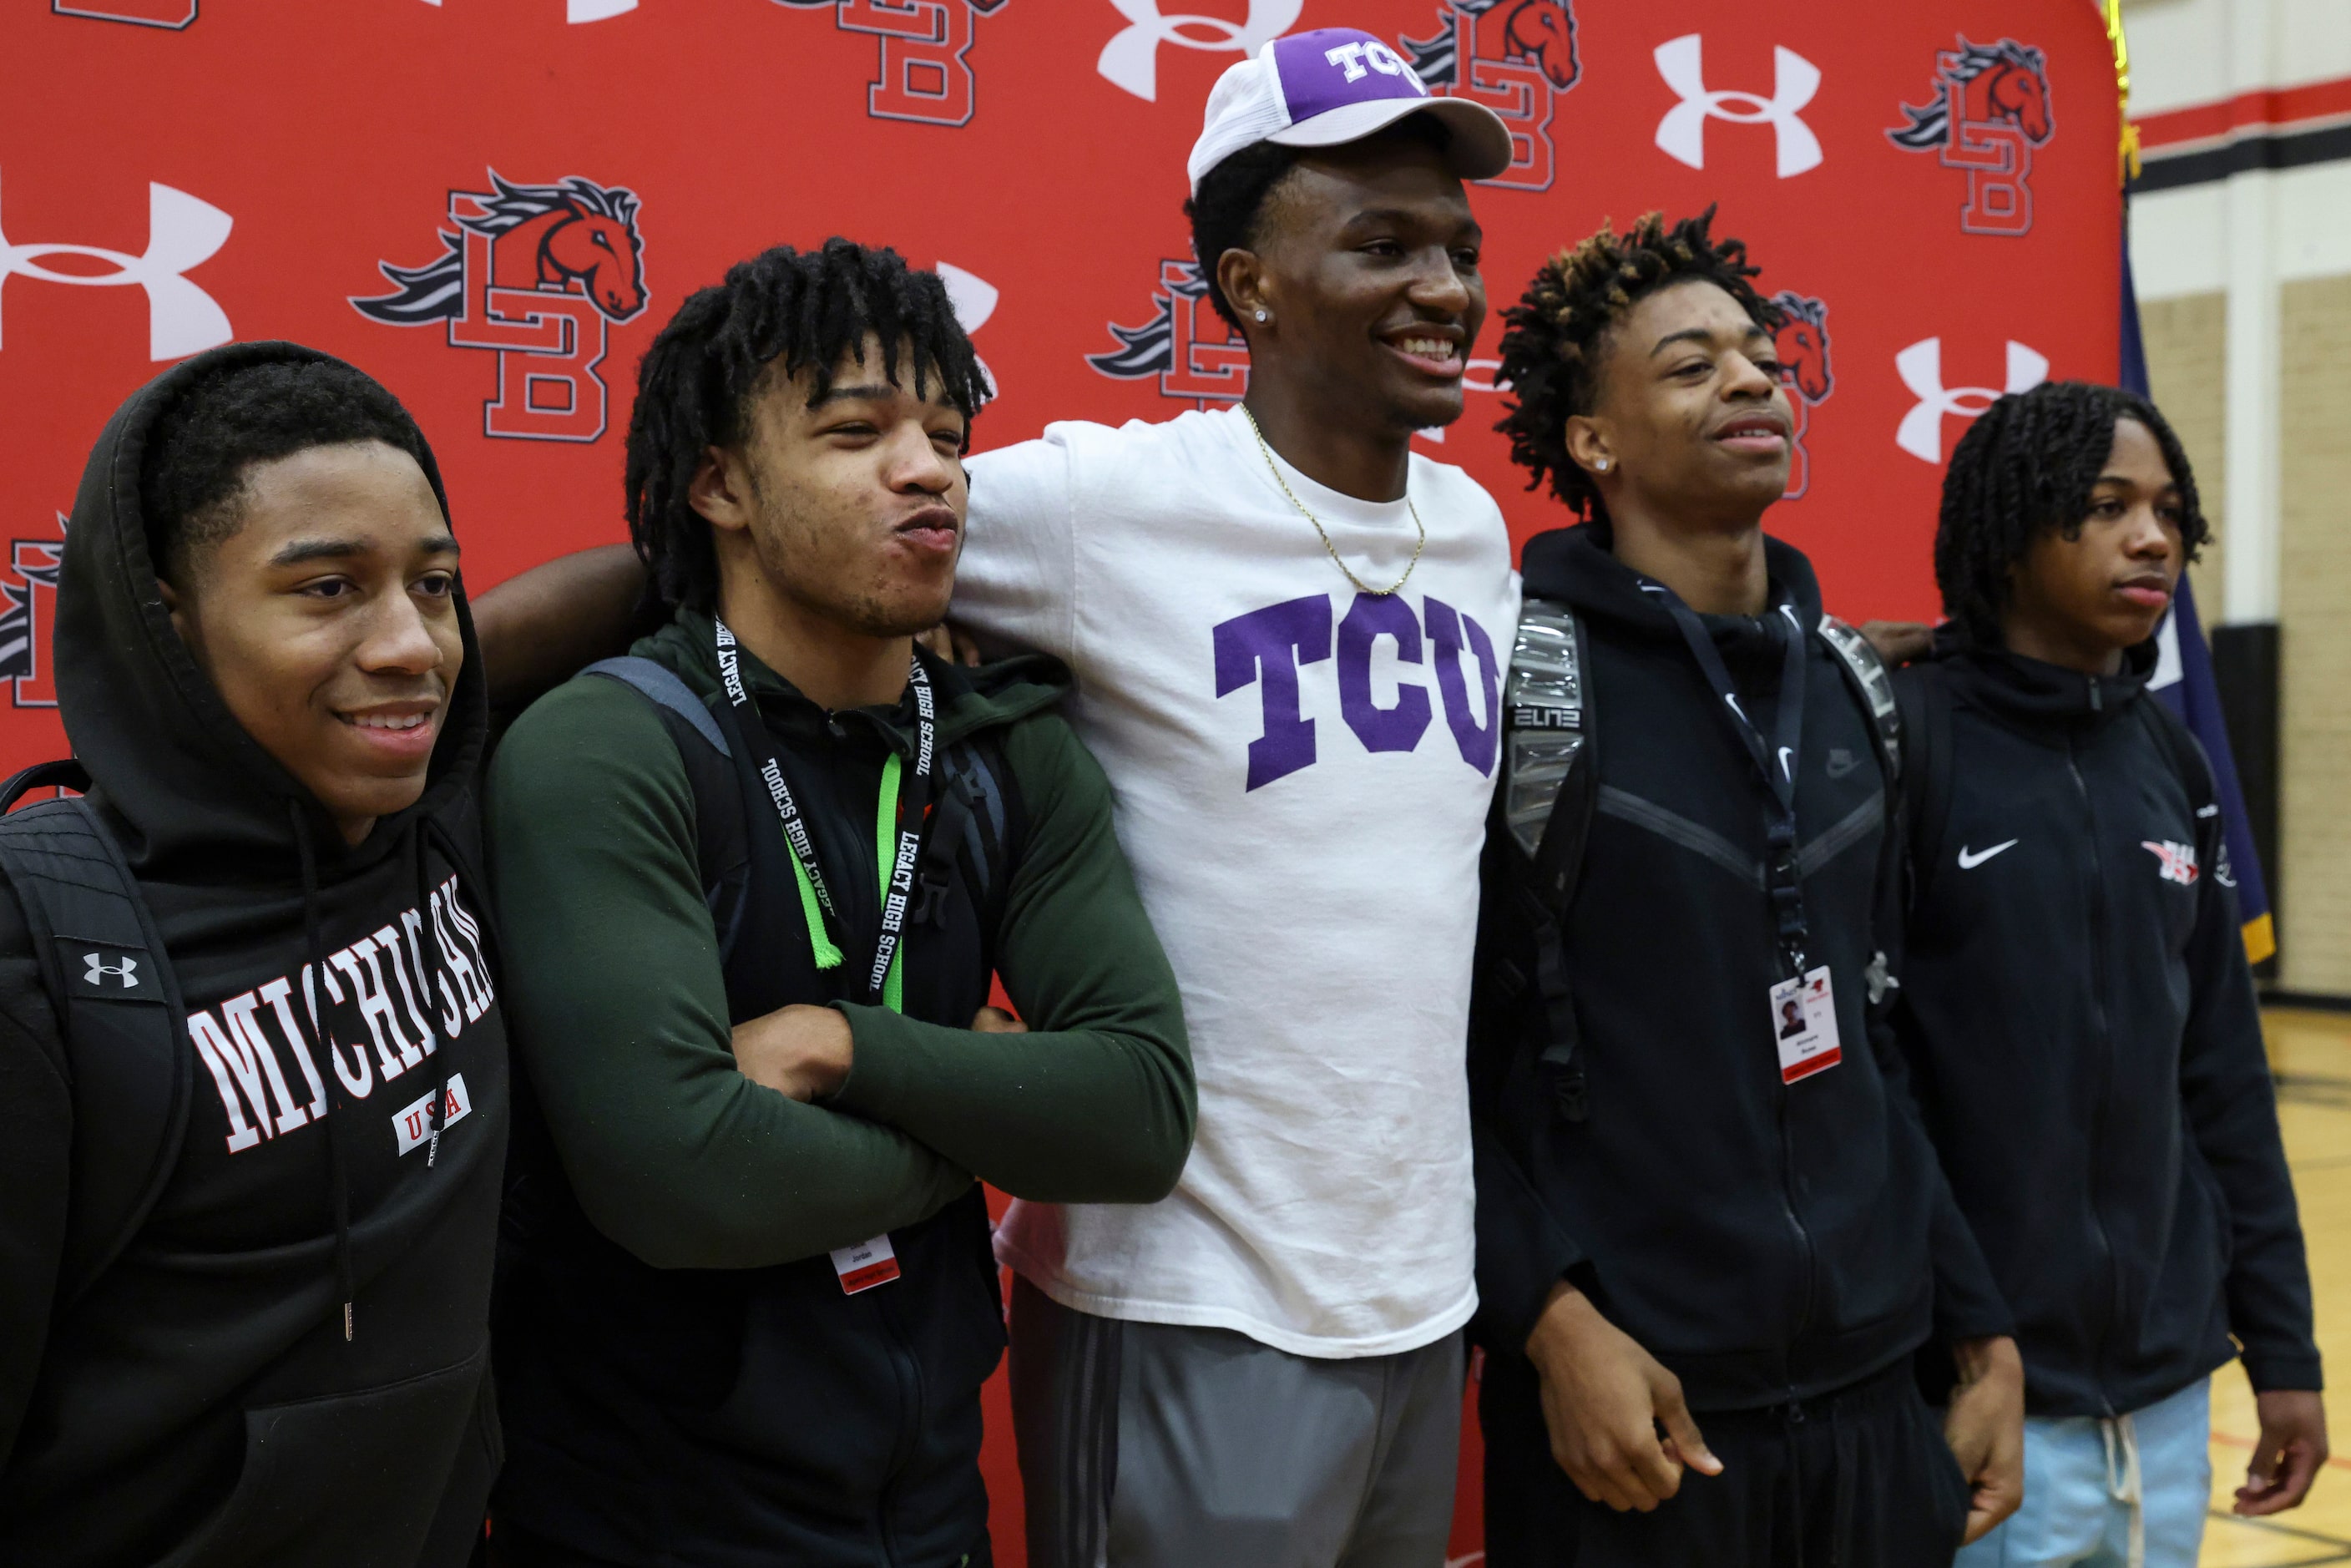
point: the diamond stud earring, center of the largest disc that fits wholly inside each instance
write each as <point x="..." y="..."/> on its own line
<point x="1260" y="315"/>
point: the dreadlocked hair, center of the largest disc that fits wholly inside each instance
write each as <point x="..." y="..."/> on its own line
<point x="1557" y="333"/>
<point x="2028" y="465"/>
<point x="782" y="312"/>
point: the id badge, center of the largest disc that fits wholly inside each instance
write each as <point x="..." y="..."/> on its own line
<point x="865" y="1265"/>
<point x="1804" y="1018"/>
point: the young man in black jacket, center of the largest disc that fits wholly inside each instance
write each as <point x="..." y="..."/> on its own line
<point x="272" y="1346"/>
<point x="2077" y="1003"/>
<point x="1687" y="1221"/>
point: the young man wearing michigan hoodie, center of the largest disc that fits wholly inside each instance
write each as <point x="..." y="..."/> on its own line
<point x="756" y="879"/>
<point x="1707" y="1250"/>
<point x="277" y="1349"/>
<point x="2076" y="1002"/>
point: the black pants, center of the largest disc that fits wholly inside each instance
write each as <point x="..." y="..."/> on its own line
<point x="1859" y="1477"/>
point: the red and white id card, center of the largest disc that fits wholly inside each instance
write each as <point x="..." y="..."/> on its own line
<point x="1803" y="1017"/>
<point x="865" y="1265"/>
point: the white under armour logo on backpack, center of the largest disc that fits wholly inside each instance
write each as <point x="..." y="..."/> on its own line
<point x="1682" y="132"/>
<point x="126" y="971"/>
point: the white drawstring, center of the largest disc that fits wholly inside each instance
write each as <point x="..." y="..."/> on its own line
<point x="2124" y="1482"/>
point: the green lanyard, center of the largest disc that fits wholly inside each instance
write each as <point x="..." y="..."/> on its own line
<point x="886" y="841"/>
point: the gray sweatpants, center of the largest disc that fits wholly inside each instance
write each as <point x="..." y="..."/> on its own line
<point x="1155" y="1445"/>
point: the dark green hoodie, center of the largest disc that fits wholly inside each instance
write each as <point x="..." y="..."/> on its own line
<point x="685" y="1379"/>
<point x="200" y="1403"/>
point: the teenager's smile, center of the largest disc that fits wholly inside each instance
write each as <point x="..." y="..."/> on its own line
<point x="1431" y="349"/>
<point x="1763" y="433"/>
<point x="396" y="731"/>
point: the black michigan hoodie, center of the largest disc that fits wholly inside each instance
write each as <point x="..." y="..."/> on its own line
<point x="2087" y="1045"/>
<point x="1766" y="1242"/>
<point x="200" y="1403"/>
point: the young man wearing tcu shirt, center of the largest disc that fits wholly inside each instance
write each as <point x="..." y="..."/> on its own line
<point x="1287" y="632"/>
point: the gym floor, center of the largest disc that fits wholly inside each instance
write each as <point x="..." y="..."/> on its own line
<point x="2312" y="1054"/>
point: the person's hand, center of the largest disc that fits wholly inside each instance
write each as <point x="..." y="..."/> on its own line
<point x="800" y="1052"/>
<point x="1985" y="1428"/>
<point x="2286" y="1459"/>
<point x="951" y="644"/>
<point x="1898" y="641"/>
<point x="996" y="1020"/>
<point x="1604" y="1398"/>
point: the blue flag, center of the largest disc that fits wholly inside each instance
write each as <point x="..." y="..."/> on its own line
<point x="2184" y="679"/>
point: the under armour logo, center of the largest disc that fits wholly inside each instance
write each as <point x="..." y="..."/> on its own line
<point x="1682" y="132"/>
<point x="182" y="232"/>
<point x="1131" y="60"/>
<point x="126" y="971"/>
<point x="972" y="300"/>
<point x="1921" y="364"/>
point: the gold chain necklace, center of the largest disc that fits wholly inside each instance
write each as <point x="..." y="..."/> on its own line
<point x="1360" y="586"/>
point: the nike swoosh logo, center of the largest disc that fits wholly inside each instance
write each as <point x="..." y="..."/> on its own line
<point x="1968" y="862"/>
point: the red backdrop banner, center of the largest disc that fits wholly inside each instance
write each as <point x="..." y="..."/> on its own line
<point x="493" y="204"/>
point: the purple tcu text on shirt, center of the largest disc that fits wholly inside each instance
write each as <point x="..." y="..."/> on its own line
<point x="1266" y="648"/>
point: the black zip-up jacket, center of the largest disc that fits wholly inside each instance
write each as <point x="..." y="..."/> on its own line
<point x="1766" y="1242"/>
<point x="2081" y="1026"/>
<point x="199" y="1404"/>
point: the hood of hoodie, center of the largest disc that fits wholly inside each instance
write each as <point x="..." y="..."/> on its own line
<point x="2034" y="694"/>
<point x="193" y="797"/>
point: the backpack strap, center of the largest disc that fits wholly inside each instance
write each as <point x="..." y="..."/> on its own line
<point x="1550" y="790"/>
<point x="120" y="1013"/>
<point x="2186" y="755"/>
<point x="659" y="685"/>
<point x="1924" y="699"/>
<point x="1866" y="672"/>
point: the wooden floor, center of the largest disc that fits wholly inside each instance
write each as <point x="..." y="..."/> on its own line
<point x="2312" y="1054"/>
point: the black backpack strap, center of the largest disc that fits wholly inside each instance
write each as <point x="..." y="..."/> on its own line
<point x="2186" y="754"/>
<point x="1550" y="790"/>
<point x="120" y="1013"/>
<point x="1924" y="699"/>
<point x="67" y="773"/>
<point x="659" y="684"/>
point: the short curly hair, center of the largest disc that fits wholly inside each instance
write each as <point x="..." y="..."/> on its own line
<point x="2026" y="468"/>
<point x="1555" y="334"/>
<point x="191" y="483"/>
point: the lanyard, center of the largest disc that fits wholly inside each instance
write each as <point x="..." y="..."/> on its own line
<point x="1774" y="759"/>
<point x="898" y="830"/>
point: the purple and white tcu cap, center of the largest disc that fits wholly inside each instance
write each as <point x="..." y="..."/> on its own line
<point x="1331" y="86"/>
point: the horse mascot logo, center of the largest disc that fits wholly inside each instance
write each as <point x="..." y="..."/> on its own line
<point x="1515" y="56"/>
<point x="1802" y="342"/>
<point x="538" y="275"/>
<point x="1990" y="111"/>
<point x="1186" y="344"/>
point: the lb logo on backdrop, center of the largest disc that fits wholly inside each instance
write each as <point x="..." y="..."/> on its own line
<point x="1682" y="132"/>
<point x="29" y="609"/>
<point x="1802" y="342"/>
<point x="1921" y="367"/>
<point x="1131" y="60"/>
<point x="1990" y="111"/>
<point x="183" y="232"/>
<point x="536" y="275"/>
<point x="1186" y="344"/>
<point x="924" y="74"/>
<point x="1515" y="56"/>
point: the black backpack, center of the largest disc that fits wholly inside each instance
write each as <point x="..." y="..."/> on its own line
<point x="119" y="1013"/>
<point x="975" y="824"/>
<point x="1551" y="790"/>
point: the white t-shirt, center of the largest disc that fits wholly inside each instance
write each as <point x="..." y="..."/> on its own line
<point x="1301" y="777"/>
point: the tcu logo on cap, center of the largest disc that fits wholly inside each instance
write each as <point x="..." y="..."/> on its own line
<point x="182" y="232"/>
<point x="1922" y="367"/>
<point x="1131" y="60"/>
<point x="1358" y="59"/>
<point x="1682" y="132"/>
<point x="536" y="274"/>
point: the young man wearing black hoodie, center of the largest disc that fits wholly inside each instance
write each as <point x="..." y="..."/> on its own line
<point x="245" y="1253"/>
<point x="756" y="879"/>
<point x="1703" y="1246"/>
<point x="2077" y="1003"/>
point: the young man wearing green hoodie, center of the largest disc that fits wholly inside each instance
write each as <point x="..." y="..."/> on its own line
<point x="756" y="878"/>
<point x="244" y="1264"/>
